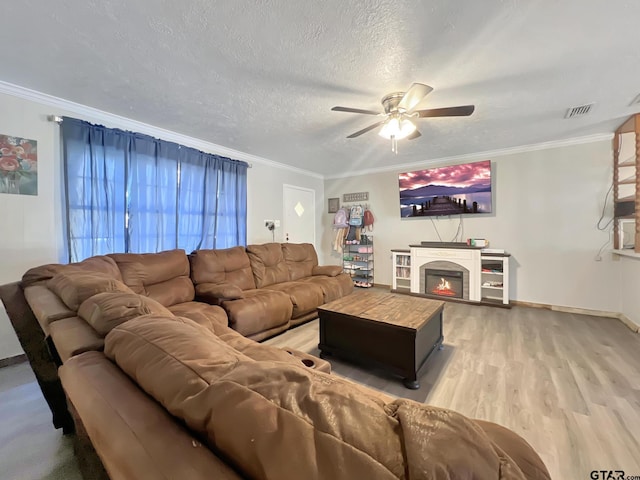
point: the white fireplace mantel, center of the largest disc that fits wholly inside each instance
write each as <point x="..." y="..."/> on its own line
<point x="468" y="258"/>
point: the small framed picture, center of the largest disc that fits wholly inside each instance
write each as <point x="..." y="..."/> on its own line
<point x="334" y="205"/>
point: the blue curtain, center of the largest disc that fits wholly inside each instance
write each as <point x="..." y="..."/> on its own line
<point x="129" y="192"/>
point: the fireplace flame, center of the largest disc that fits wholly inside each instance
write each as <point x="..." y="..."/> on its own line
<point x="444" y="288"/>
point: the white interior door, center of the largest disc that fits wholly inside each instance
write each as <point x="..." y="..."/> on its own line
<point x="299" y="224"/>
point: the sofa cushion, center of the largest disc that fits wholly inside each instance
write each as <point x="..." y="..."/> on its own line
<point x="300" y="259"/>
<point x="267" y="264"/>
<point x="46" y="306"/>
<point x="261" y="351"/>
<point x="210" y="316"/>
<point x="429" y="434"/>
<point x="328" y="270"/>
<point x="74" y="287"/>
<point x="214" y="292"/>
<point x="135" y="437"/>
<point x="227" y="265"/>
<point x="97" y="264"/>
<point x="517" y="448"/>
<point x="258" y="311"/>
<point x="105" y="311"/>
<point x="333" y="288"/>
<point x="162" y="276"/>
<point x="305" y="296"/>
<point x="73" y="336"/>
<point x="258" y="413"/>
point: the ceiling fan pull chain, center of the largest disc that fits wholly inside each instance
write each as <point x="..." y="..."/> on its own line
<point x="394" y="144"/>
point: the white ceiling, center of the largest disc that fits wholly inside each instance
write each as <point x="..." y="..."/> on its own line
<point x="262" y="76"/>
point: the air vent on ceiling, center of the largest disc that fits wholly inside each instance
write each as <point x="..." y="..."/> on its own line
<point x="578" y="111"/>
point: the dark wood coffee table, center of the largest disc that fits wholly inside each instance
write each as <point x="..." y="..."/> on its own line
<point x="393" y="331"/>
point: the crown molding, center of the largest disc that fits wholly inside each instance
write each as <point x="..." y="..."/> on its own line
<point x="480" y="155"/>
<point x="125" y="123"/>
<point x="118" y="121"/>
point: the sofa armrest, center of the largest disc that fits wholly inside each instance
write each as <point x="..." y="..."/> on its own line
<point x="328" y="270"/>
<point x="134" y="436"/>
<point x="212" y="292"/>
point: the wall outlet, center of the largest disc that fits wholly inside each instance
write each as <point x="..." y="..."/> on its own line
<point x="267" y="222"/>
<point x="276" y="223"/>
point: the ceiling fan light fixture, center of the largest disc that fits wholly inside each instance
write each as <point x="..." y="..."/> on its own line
<point x="397" y="128"/>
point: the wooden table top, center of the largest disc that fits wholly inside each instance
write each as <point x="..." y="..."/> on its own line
<point x="396" y="309"/>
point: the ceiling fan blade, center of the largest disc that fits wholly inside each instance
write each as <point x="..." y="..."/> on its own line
<point x="365" y="130"/>
<point x="462" y="111"/>
<point x="415" y="134"/>
<point x="355" y="110"/>
<point x="414" y="95"/>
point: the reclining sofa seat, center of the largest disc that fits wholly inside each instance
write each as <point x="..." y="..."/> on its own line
<point x="55" y="292"/>
<point x="224" y="277"/>
<point x="302" y="262"/>
<point x="45" y="304"/>
<point x="270" y="272"/>
<point x="164" y="277"/>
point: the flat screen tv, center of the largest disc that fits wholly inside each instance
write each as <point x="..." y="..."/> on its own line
<point x="452" y="190"/>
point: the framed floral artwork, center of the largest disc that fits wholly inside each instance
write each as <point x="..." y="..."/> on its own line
<point x="334" y="205"/>
<point x="18" y="165"/>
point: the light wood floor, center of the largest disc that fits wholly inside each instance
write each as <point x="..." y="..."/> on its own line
<point x="569" y="384"/>
<point x="30" y="448"/>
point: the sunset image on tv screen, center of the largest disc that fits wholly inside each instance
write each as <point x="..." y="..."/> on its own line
<point x="452" y="190"/>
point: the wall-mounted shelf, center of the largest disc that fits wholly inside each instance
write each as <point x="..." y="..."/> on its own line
<point x="626" y="183"/>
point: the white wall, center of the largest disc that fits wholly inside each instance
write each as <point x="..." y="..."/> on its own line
<point x="629" y="283"/>
<point x="27" y="231"/>
<point x="545" y="209"/>
<point x="265" y="200"/>
<point x="29" y="225"/>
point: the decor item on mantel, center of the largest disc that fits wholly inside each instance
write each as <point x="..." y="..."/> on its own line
<point x="453" y="270"/>
<point x="18" y="165"/>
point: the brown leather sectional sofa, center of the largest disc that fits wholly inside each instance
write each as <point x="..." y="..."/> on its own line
<point x="43" y="306"/>
<point x="160" y="386"/>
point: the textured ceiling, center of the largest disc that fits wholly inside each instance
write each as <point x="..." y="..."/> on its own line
<point x="262" y="76"/>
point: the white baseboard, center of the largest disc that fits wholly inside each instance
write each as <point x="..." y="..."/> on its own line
<point x="634" y="327"/>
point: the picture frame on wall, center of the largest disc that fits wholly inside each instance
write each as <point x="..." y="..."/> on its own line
<point x="18" y="165"/>
<point x="334" y="205"/>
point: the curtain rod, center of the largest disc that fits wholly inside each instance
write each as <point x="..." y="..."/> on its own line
<point x="58" y="119"/>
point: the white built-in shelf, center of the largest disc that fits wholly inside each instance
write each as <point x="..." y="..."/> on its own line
<point x="500" y="270"/>
<point x="402" y="270"/>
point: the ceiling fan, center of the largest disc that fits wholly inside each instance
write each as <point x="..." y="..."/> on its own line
<point x="399" y="114"/>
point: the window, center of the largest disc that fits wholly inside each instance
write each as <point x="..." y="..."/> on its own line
<point x="128" y="192"/>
